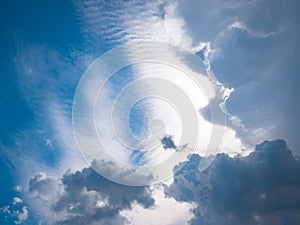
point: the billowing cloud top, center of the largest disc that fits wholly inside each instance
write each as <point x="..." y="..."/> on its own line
<point x="85" y="197"/>
<point x="262" y="188"/>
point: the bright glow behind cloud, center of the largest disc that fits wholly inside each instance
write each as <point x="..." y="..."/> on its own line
<point x="154" y="20"/>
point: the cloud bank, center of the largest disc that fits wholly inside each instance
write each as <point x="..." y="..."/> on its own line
<point x="262" y="188"/>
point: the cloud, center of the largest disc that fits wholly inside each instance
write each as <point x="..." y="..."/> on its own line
<point x="17" y="200"/>
<point x="22" y="215"/>
<point x="167" y="211"/>
<point x="123" y="23"/>
<point x="168" y="142"/>
<point x="85" y="197"/>
<point x="262" y="188"/>
<point x="18" y="188"/>
<point x="254" y="48"/>
<point x="122" y="174"/>
<point x="128" y="22"/>
<point x="243" y="27"/>
<point x="15" y="213"/>
<point x="46" y="79"/>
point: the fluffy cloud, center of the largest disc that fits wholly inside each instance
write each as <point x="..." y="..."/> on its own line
<point x="167" y="211"/>
<point x="22" y="215"/>
<point x="85" y="197"/>
<point x="15" y="213"/>
<point x="17" y="200"/>
<point x="262" y="188"/>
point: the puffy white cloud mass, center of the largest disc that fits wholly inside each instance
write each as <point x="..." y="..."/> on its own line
<point x="262" y="188"/>
<point x="85" y="197"/>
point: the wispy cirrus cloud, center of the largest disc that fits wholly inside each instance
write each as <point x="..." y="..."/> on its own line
<point x="153" y="20"/>
<point x="47" y="80"/>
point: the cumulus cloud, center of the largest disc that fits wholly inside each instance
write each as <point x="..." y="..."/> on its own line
<point x="15" y="213"/>
<point x="17" y="188"/>
<point x="17" y="200"/>
<point x="262" y="188"/>
<point x="85" y="197"/>
<point x="22" y="215"/>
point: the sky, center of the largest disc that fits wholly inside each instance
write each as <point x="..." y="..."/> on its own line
<point x="232" y="62"/>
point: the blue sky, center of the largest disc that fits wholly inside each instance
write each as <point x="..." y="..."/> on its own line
<point x="251" y="48"/>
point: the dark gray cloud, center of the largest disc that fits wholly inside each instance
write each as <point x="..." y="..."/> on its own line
<point x="85" y="197"/>
<point x="262" y="188"/>
<point x="168" y="142"/>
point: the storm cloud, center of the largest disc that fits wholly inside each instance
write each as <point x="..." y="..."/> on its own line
<point x="262" y="188"/>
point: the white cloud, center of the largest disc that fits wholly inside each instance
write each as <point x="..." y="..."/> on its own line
<point x="49" y="144"/>
<point x="155" y="21"/>
<point x="17" y="211"/>
<point x="6" y="209"/>
<point x="239" y="25"/>
<point x="84" y="197"/>
<point x="17" y="200"/>
<point x="47" y="80"/>
<point x="60" y="118"/>
<point x="18" y="188"/>
<point x="22" y="215"/>
<point x="166" y="210"/>
<point x="152" y="21"/>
